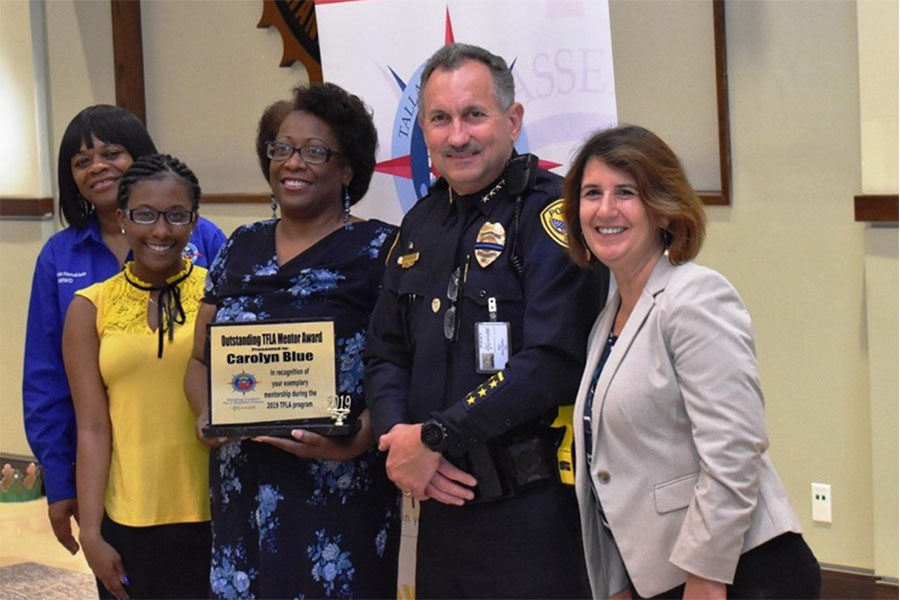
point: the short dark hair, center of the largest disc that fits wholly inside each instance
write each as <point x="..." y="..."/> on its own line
<point x="267" y="130"/>
<point x="452" y="56"/>
<point x="111" y="124"/>
<point x="350" y="121"/>
<point x="662" y="186"/>
<point x="155" y="167"/>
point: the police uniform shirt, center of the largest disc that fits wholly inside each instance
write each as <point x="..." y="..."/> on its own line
<point x="414" y="373"/>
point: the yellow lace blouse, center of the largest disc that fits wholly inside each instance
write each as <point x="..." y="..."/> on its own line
<point x="158" y="469"/>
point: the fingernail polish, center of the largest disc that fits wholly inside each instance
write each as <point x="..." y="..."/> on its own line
<point x="125" y="580"/>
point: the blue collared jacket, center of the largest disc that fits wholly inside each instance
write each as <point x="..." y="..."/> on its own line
<point x="72" y="259"/>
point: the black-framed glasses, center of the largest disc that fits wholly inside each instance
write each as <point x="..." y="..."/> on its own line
<point x="451" y="317"/>
<point x="313" y="154"/>
<point x="149" y="216"/>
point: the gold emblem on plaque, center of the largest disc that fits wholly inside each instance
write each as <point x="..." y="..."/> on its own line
<point x="489" y="243"/>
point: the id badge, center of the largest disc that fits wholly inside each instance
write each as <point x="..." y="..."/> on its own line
<point x="492" y="348"/>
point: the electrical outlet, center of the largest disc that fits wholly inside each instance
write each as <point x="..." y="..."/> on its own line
<point x="821" y="502"/>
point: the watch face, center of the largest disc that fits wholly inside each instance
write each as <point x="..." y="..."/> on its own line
<point x="432" y="435"/>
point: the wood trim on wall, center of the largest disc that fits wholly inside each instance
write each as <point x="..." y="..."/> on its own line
<point x="128" y="56"/>
<point x="235" y="199"/>
<point x="723" y="197"/>
<point x="840" y="585"/>
<point x="11" y="207"/>
<point x="875" y="208"/>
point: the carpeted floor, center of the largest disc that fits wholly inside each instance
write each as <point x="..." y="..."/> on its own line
<point x="29" y="580"/>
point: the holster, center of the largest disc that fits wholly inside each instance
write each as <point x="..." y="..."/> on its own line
<point x="506" y="466"/>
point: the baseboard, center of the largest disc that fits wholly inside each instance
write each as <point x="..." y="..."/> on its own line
<point x="885" y="590"/>
<point x="840" y="584"/>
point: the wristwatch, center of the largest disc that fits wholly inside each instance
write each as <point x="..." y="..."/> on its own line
<point x="434" y="435"/>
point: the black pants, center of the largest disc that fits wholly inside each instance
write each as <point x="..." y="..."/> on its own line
<point x="783" y="567"/>
<point x="162" y="561"/>
<point x="528" y="546"/>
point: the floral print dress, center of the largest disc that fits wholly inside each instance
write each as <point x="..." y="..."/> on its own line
<point x="284" y="526"/>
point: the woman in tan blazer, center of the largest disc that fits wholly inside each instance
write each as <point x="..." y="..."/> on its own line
<point x="677" y="493"/>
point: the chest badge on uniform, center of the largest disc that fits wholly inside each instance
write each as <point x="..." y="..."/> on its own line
<point x="407" y="260"/>
<point x="489" y="243"/>
<point x="554" y="222"/>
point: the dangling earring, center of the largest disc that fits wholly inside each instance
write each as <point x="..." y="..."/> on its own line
<point x="667" y="241"/>
<point x="86" y="207"/>
<point x="274" y="206"/>
<point x="123" y="231"/>
<point x="346" y="218"/>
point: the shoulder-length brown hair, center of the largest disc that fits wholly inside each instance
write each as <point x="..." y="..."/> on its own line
<point x="661" y="183"/>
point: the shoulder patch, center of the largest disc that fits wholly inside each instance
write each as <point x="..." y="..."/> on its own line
<point x="553" y="222"/>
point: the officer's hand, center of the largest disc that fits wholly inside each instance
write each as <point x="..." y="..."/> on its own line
<point x="410" y="465"/>
<point x="60" y="514"/>
<point x="448" y="484"/>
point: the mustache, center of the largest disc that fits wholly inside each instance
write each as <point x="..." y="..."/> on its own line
<point x="466" y="149"/>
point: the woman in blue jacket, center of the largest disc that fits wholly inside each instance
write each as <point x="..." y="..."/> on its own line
<point x="98" y="146"/>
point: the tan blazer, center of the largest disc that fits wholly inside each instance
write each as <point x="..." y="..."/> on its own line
<point x="679" y="439"/>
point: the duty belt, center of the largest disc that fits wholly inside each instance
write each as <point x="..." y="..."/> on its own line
<point x="505" y="468"/>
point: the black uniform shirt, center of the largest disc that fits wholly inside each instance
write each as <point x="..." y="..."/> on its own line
<point x="413" y="372"/>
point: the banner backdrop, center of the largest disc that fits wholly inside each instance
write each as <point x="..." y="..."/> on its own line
<point x="560" y="53"/>
<point x="559" y="50"/>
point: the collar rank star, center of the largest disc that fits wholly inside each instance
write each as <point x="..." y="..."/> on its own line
<point x="489" y="243"/>
<point x="493" y="191"/>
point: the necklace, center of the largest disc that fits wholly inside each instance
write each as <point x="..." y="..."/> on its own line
<point x="169" y="311"/>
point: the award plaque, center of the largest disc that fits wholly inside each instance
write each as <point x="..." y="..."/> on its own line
<point x="270" y="377"/>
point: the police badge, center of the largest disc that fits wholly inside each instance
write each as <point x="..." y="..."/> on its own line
<point x="489" y="243"/>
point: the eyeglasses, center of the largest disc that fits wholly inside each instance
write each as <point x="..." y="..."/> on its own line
<point x="148" y="216"/>
<point x="312" y="154"/>
<point x="451" y="317"/>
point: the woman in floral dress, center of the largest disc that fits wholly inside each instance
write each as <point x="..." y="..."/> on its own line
<point x="308" y="517"/>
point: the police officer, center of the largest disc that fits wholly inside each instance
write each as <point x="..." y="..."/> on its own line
<point x="477" y="339"/>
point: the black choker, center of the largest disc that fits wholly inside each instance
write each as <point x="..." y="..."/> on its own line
<point x="169" y="311"/>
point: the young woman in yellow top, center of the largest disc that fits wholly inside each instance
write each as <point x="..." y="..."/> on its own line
<point x="141" y="473"/>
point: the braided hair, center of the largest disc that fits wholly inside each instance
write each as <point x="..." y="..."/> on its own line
<point x="156" y="167"/>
